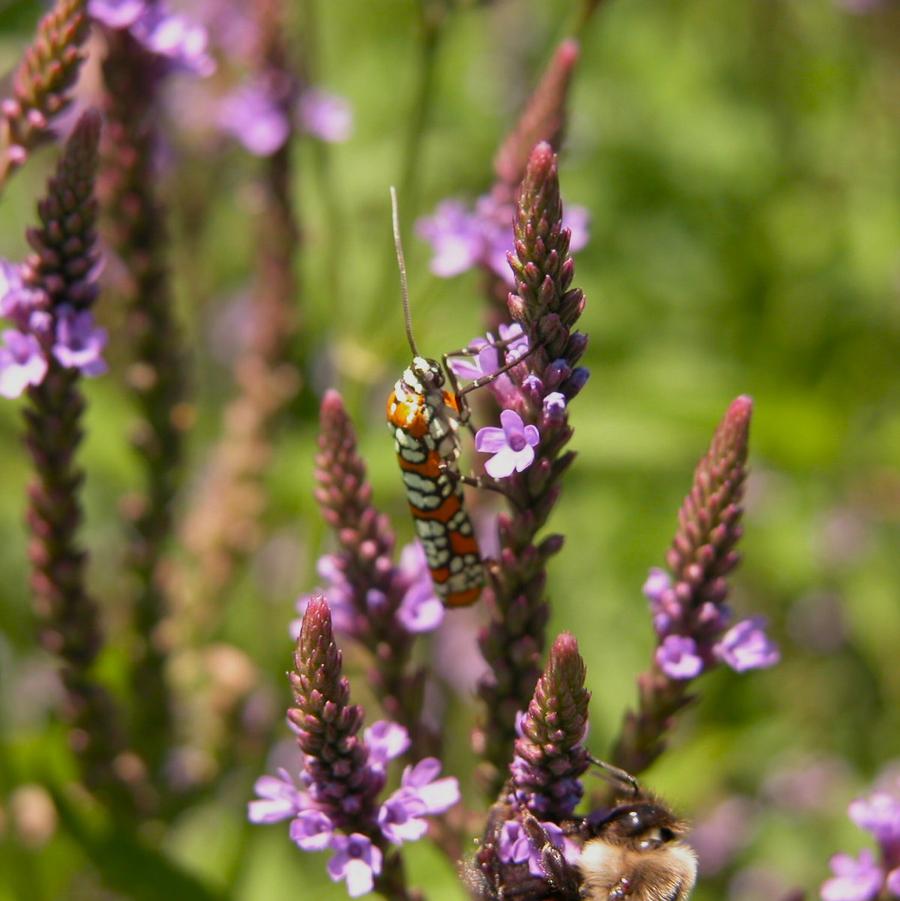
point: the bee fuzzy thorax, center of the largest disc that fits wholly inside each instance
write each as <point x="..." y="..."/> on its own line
<point x="636" y="853"/>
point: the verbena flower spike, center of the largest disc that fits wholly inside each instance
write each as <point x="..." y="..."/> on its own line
<point x="690" y="615"/>
<point x="334" y="804"/>
<point x="42" y="83"/>
<point x="380" y="604"/>
<point x="529" y="456"/>
<point x="52" y="309"/>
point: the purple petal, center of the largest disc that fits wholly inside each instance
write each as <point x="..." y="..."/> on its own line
<point x="490" y="440"/>
<point x="854" y="880"/>
<point x="326" y="116"/>
<point x="677" y="657"/>
<point x="255" y="119"/>
<point x="386" y="740"/>
<point x="116" y="14"/>
<point x="502" y="464"/>
<point x="746" y="646"/>
<point x="512" y="423"/>
<point x="311" y="830"/>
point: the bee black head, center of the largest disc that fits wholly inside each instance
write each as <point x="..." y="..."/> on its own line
<point x="640" y="823"/>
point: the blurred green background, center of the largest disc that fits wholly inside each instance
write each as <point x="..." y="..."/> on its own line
<point x="741" y="163"/>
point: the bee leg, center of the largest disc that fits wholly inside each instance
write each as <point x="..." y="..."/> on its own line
<point x="620" y="890"/>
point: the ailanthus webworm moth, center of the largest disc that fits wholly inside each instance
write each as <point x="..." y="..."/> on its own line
<point x="424" y="418"/>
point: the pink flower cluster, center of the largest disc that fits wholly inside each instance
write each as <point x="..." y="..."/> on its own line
<point x="356" y="859"/>
<point x="41" y="334"/>
<point x="863" y="878"/>
<point x="743" y="647"/>
<point x="463" y="239"/>
<point x="419" y="611"/>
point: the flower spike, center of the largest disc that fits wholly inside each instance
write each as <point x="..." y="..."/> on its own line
<point x="42" y="83"/>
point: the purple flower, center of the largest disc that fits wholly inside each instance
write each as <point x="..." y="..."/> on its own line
<point x="279" y="799"/>
<point x="420" y="794"/>
<point x="400" y="818"/>
<point x="10" y="281"/>
<point x="117" y="14"/>
<point x="171" y="37"/>
<point x="515" y="339"/>
<point x="18" y="302"/>
<point x="677" y="657"/>
<point x="485" y="362"/>
<point x="312" y="830"/>
<point x="436" y="794"/>
<point x="252" y="116"/>
<point x="462" y="239"/>
<point x="79" y="343"/>
<point x="854" y="879"/>
<point x="880" y="814"/>
<point x="516" y="847"/>
<point x="22" y="363"/>
<point x="658" y="581"/>
<point x="512" y="445"/>
<point x="420" y="609"/>
<point x="339" y="593"/>
<point x="554" y="405"/>
<point x="357" y="861"/>
<point x="455" y="237"/>
<point x="746" y="646"/>
<point x="893" y="882"/>
<point x="385" y="740"/>
<point x="324" y="115"/>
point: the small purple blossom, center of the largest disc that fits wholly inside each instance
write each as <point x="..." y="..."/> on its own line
<point x="339" y="593"/>
<point x="117" y="14"/>
<point x="462" y="239"/>
<point x="171" y="37"/>
<point x="324" y="115"/>
<point x="485" y="361"/>
<point x="357" y="861"/>
<point x="677" y="657"/>
<point x="436" y="794"/>
<point x="18" y="302"/>
<point x="554" y="405"/>
<point x="252" y="116"/>
<point x="855" y="879"/>
<point x="385" y="740"/>
<point x="79" y="343"/>
<point x="455" y="237"/>
<point x="893" y="882"/>
<point x="420" y="794"/>
<point x="10" y="281"/>
<point x="512" y="445"/>
<point x="746" y="646"/>
<point x="420" y="609"/>
<point x="22" y="363"/>
<point x="279" y="799"/>
<point x="312" y="830"/>
<point x="516" y="847"/>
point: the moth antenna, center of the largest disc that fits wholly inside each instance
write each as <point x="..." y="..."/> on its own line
<point x="401" y="264"/>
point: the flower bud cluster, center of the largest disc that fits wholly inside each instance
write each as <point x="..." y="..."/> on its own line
<point x="48" y="298"/>
<point x="334" y="803"/>
<point x="43" y="82"/>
